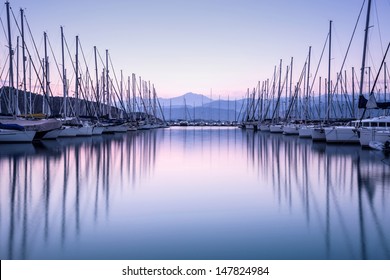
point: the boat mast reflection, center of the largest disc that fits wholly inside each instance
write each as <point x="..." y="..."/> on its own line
<point x="314" y="176"/>
<point x="58" y="193"/>
<point x="69" y="183"/>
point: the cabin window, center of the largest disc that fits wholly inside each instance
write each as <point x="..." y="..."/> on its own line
<point x="382" y="124"/>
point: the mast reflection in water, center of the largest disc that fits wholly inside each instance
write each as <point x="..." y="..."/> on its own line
<point x="193" y="193"/>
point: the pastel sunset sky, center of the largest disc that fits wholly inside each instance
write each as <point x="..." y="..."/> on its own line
<point x="225" y="46"/>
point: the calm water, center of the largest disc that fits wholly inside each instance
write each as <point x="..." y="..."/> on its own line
<point x="193" y="193"/>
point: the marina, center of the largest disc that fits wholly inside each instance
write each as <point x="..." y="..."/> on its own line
<point x="100" y="105"/>
<point x="98" y="163"/>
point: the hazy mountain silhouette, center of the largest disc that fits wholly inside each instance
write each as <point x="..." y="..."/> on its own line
<point x="190" y="99"/>
<point x="192" y="106"/>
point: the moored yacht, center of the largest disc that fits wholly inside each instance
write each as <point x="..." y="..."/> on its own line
<point x="291" y="129"/>
<point x="318" y="133"/>
<point x="342" y="133"/>
<point x="40" y="126"/>
<point x="305" y="131"/>
<point x="264" y="127"/>
<point x="251" y="125"/>
<point x="276" y="128"/>
<point x="374" y="129"/>
<point x="15" y="134"/>
<point x="97" y="130"/>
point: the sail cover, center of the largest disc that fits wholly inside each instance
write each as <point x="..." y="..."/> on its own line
<point x="371" y="103"/>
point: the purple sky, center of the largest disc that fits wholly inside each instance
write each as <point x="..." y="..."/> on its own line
<point x="223" y="45"/>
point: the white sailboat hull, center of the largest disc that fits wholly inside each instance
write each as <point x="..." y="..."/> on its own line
<point x="52" y="134"/>
<point x="97" y="130"/>
<point x="69" y="132"/>
<point x="85" y="131"/>
<point x="251" y="126"/>
<point x="318" y="134"/>
<point x="368" y="134"/>
<point x="276" y="128"/>
<point x="291" y="129"/>
<point x="305" y="131"/>
<point x="115" y="129"/>
<point x="16" y="136"/>
<point x="341" y="134"/>
<point x="147" y="126"/>
<point x="264" y="127"/>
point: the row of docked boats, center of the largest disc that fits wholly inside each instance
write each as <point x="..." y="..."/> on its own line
<point x="13" y="130"/>
<point x="364" y="131"/>
<point x="371" y="132"/>
<point x="97" y="107"/>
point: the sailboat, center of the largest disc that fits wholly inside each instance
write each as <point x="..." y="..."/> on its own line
<point x="21" y="129"/>
<point x="318" y="131"/>
<point x="13" y="133"/>
<point x="276" y="126"/>
<point x="374" y="129"/>
<point x="378" y="128"/>
<point x="348" y="133"/>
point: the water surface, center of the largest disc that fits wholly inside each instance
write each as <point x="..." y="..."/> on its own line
<point x="193" y="193"/>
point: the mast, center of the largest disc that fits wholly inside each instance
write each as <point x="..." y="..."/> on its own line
<point x="104" y="92"/>
<point x="286" y="94"/>
<point x="385" y="80"/>
<point x="261" y="99"/>
<point x="279" y="90"/>
<point x="46" y="78"/>
<point x="365" y="48"/>
<point x="235" y="110"/>
<point x="11" y="67"/>
<point x="64" y="74"/>
<point x="24" y="61"/>
<point x="329" y="69"/>
<point x="121" y="93"/>
<point x="29" y="85"/>
<point x="307" y="86"/>
<point x="77" y="78"/>
<point x="17" y="77"/>
<point x="128" y="97"/>
<point x="353" y="92"/>
<point x="273" y="92"/>
<point x="154" y="101"/>
<point x="291" y="80"/>
<point x="247" y="105"/>
<point x="97" y="80"/>
<point x="134" y="91"/>
<point x="319" y="97"/>
<point x="108" y="87"/>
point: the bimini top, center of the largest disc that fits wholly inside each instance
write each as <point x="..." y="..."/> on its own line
<point x="383" y="121"/>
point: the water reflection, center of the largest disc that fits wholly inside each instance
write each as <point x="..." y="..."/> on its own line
<point x="194" y="193"/>
<point x="343" y="190"/>
<point x="48" y="188"/>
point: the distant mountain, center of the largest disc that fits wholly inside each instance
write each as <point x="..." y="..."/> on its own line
<point x="189" y="99"/>
<point x="192" y="106"/>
